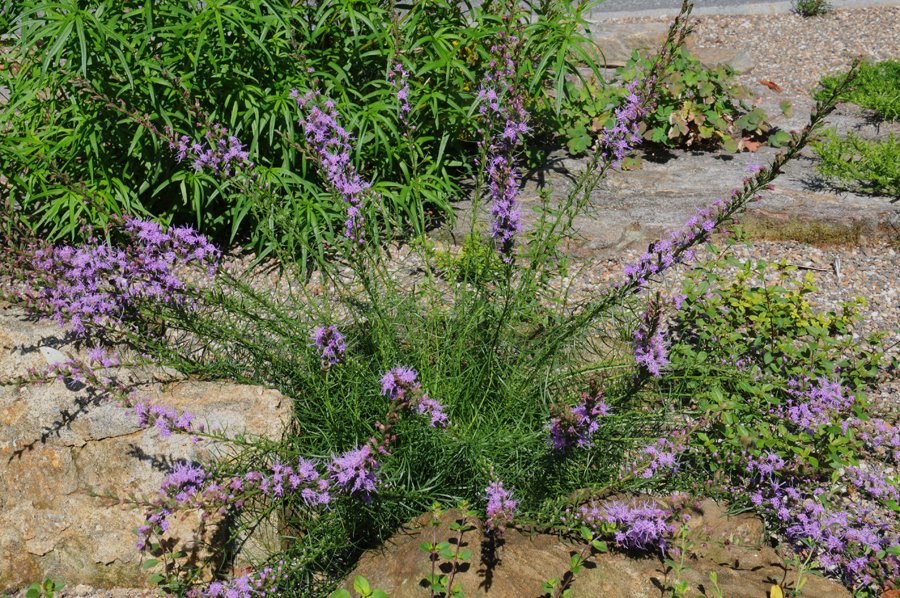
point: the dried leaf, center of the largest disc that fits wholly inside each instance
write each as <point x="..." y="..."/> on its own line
<point x="771" y="85"/>
<point x="775" y="592"/>
<point x="748" y="145"/>
<point x="890" y="594"/>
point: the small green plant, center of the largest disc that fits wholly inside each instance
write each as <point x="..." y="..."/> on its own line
<point x="440" y="581"/>
<point x="872" y="166"/>
<point x="560" y="587"/>
<point x="811" y="8"/>
<point x="476" y="262"/>
<point x="47" y="589"/>
<point x="877" y="88"/>
<point x="362" y="588"/>
<point x="714" y="591"/>
<point x="680" y="551"/>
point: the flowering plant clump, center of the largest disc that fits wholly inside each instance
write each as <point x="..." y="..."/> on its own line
<point x="101" y="285"/>
<point x="638" y="526"/>
<point x="861" y="546"/>
<point x="765" y="397"/>
<point x="815" y="404"/>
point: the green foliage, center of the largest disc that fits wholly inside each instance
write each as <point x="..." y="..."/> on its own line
<point x="811" y="8"/>
<point x="740" y="346"/>
<point x="872" y="166"/>
<point x="877" y="88"/>
<point x="698" y="107"/>
<point x="476" y="262"/>
<point x="47" y="589"/>
<point x="362" y="588"/>
<point x="97" y="83"/>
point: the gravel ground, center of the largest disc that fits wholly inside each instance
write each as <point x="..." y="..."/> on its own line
<point x="795" y="52"/>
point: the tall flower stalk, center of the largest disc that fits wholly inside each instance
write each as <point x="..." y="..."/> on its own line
<point x="504" y="123"/>
<point x="329" y="145"/>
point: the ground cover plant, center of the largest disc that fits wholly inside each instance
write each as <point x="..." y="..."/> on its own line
<point x="473" y="380"/>
<point x="877" y="88"/>
<point x="872" y="166"/>
<point x="867" y="165"/>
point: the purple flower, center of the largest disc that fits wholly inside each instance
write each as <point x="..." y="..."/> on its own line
<point x="396" y="383"/>
<point x="504" y="123"/>
<point x="329" y="144"/>
<point x="576" y="425"/>
<point x="250" y="585"/>
<point x="223" y="154"/>
<point x="434" y="410"/>
<point x="813" y="405"/>
<point x="402" y="386"/>
<point x="166" y="419"/>
<point x="650" y="351"/>
<point x="657" y="457"/>
<point x="330" y="343"/>
<point x="500" y="506"/>
<point x="354" y="471"/>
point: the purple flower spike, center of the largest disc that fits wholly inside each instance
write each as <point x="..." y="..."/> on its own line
<point x="329" y="143"/>
<point x="617" y="142"/>
<point x="650" y="351"/>
<point x="398" y="77"/>
<point x="330" y="343"/>
<point x="576" y="425"/>
<point x="505" y="122"/>
<point x="500" y="507"/>
<point x="354" y="471"/>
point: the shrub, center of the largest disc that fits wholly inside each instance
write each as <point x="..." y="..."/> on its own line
<point x="698" y="107"/>
<point x="871" y="166"/>
<point x="102" y="90"/>
<point x="811" y="8"/>
<point x="877" y="88"/>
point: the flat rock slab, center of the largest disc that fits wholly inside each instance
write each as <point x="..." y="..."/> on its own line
<point x="630" y="209"/>
<point x="69" y="463"/>
<point x="732" y="547"/>
<point x="617" y="41"/>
